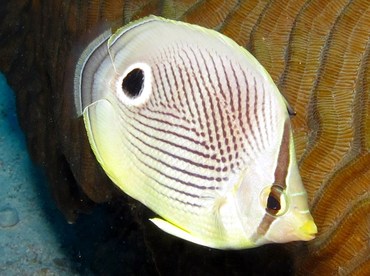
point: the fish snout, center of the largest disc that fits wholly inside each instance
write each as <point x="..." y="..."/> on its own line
<point x="307" y="231"/>
<point x="302" y="225"/>
<point x="294" y="226"/>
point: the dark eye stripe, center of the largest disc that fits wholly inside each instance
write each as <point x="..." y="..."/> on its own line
<point x="281" y="170"/>
<point x="280" y="177"/>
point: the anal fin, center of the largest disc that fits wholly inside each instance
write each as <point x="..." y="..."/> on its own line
<point x="176" y="231"/>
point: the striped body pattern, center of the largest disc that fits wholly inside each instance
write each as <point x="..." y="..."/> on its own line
<point x="187" y="122"/>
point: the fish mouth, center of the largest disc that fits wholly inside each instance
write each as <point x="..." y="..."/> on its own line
<point x="307" y="231"/>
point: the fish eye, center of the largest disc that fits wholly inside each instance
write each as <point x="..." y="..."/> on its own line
<point x="274" y="200"/>
<point x="133" y="83"/>
<point x="273" y="203"/>
<point x="134" y="86"/>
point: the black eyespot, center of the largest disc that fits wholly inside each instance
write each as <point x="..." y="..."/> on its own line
<point x="133" y="83"/>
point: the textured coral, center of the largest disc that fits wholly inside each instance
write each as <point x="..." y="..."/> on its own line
<point x="316" y="51"/>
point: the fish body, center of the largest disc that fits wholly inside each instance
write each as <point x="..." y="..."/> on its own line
<point x="189" y="123"/>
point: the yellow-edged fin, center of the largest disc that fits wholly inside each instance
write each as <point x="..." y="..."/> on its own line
<point x="176" y="231"/>
<point x="90" y="133"/>
<point x="103" y="130"/>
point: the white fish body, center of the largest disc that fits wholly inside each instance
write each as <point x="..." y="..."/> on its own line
<point x="189" y="123"/>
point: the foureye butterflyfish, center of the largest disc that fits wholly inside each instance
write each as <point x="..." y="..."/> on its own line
<point x="190" y="124"/>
